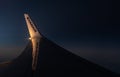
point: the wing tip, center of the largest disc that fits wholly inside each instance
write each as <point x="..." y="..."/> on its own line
<point x="26" y="15"/>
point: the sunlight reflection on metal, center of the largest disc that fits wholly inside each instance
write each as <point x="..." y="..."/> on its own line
<point x="29" y="38"/>
<point x="35" y="39"/>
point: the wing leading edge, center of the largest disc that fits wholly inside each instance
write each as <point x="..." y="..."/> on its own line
<point x="35" y="38"/>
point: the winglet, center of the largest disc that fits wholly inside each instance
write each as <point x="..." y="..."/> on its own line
<point x="31" y="27"/>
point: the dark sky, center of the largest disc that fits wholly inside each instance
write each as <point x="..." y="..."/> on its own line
<point x="89" y="28"/>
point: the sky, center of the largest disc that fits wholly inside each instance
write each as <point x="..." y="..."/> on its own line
<point x="88" y="28"/>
